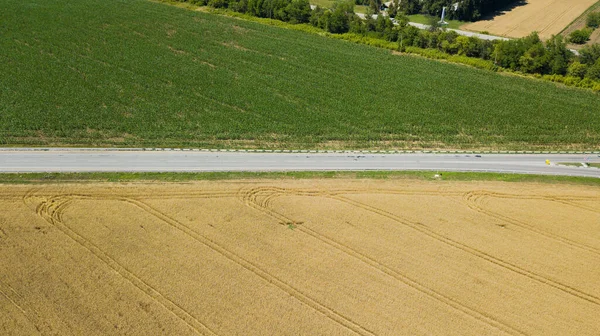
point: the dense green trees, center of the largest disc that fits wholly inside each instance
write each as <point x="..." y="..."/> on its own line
<point x="589" y="55"/>
<point x="590" y="58"/>
<point x="337" y="20"/>
<point x="593" y="20"/>
<point x="410" y="6"/>
<point x="580" y="36"/>
<point x="528" y="55"/>
<point x="294" y="11"/>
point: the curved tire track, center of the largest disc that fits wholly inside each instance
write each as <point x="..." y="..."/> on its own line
<point x="473" y="200"/>
<point x="294" y="292"/>
<point x="263" y="206"/>
<point x="478" y="253"/>
<point x="52" y="210"/>
<point x="251" y="198"/>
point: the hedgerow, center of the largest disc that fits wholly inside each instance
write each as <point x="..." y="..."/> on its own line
<point x="525" y="55"/>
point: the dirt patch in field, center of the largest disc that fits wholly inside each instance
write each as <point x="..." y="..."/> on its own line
<point x="314" y="257"/>
<point x="240" y="30"/>
<point x="233" y="44"/>
<point x="178" y="51"/>
<point x="547" y="17"/>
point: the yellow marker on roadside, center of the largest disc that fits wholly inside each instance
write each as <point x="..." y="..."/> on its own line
<point x="548" y="162"/>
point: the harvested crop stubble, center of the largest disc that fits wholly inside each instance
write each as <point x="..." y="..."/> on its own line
<point x="289" y="257"/>
<point x="547" y="17"/>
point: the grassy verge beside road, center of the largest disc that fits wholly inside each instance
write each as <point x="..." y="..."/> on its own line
<point x="420" y="18"/>
<point x="26" y="178"/>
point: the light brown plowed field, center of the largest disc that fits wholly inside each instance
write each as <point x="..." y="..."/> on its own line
<point x="307" y="257"/>
<point x="547" y="17"/>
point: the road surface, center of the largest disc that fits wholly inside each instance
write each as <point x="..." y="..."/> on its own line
<point x="76" y="160"/>
<point x="463" y="32"/>
<point x="458" y="31"/>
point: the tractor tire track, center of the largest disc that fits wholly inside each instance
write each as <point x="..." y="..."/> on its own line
<point x="257" y="270"/>
<point x="477" y="253"/>
<point x="449" y="301"/>
<point x="265" y="189"/>
<point x="533" y="196"/>
<point x="250" y="198"/>
<point x="30" y="314"/>
<point x="580" y="206"/>
<point x="264" y="205"/>
<point x="473" y="200"/>
<point x="52" y="211"/>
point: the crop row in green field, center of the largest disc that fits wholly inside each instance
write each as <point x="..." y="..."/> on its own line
<point x="138" y="73"/>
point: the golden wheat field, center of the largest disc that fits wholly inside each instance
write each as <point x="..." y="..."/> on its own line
<point x="547" y="17"/>
<point x="300" y="257"/>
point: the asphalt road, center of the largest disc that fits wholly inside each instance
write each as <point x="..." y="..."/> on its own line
<point x="459" y="32"/>
<point x="463" y="32"/>
<point x="59" y="160"/>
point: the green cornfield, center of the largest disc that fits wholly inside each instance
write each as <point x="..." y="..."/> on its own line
<point x="136" y="73"/>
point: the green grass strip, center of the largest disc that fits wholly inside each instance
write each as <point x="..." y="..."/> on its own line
<point x="37" y="178"/>
<point x="423" y="19"/>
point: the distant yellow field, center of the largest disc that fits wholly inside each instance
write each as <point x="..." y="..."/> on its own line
<point x="306" y="257"/>
<point x="547" y="17"/>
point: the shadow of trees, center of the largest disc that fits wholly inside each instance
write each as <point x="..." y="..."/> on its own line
<point x="504" y="9"/>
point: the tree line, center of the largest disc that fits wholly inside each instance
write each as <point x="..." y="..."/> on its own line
<point x="293" y="11"/>
<point x="527" y="55"/>
<point x="465" y="10"/>
<point x="581" y="36"/>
